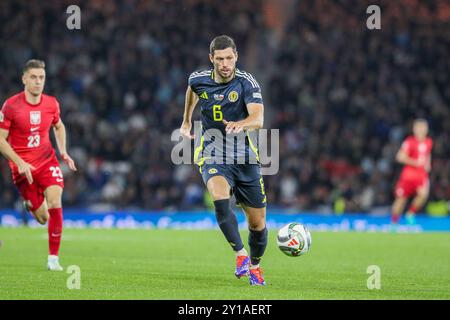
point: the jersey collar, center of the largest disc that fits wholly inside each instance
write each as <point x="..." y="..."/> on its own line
<point x="30" y="104"/>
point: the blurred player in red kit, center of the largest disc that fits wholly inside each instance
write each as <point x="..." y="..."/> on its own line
<point x="25" y="122"/>
<point x="415" y="155"/>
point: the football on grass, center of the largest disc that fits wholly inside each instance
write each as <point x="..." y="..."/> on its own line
<point x="294" y="239"/>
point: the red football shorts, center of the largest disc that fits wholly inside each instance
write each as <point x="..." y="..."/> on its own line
<point x="47" y="175"/>
<point x="408" y="187"/>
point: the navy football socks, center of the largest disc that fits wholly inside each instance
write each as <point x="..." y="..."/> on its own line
<point x="257" y="241"/>
<point x="228" y="223"/>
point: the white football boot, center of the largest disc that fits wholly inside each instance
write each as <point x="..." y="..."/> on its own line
<point x="53" y="264"/>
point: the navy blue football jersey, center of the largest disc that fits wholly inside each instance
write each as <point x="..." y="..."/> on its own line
<point x="225" y="101"/>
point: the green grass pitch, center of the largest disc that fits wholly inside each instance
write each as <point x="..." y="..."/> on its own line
<point x="181" y="264"/>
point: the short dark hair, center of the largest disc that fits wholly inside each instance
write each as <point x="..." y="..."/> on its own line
<point x="222" y="42"/>
<point x="420" y="120"/>
<point x="33" y="64"/>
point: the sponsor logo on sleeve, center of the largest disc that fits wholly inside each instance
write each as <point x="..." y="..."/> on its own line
<point x="257" y="95"/>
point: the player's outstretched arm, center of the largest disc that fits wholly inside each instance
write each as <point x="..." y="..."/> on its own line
<point x="189" y="106"/>
<point x="255" y="120"/>
<point x="23" y="167"/>
<point x="59" y="130"/>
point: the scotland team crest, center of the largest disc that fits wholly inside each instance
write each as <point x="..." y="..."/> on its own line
<point x="233" y="96"/>
<point x="212" y="171"/>
<point x="35" y="117"/>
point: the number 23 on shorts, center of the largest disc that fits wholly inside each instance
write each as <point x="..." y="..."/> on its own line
<point x="57" y="173"/>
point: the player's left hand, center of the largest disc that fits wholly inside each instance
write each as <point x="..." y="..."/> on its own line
<point x="68" y="160"/>
<point x="232" y="127"/>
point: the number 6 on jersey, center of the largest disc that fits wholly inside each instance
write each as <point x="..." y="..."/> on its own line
<point x="217" y="113"/>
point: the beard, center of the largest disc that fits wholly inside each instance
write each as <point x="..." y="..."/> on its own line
<point x="227" y="75"/>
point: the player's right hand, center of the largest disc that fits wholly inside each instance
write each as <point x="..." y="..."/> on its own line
<point x="25" y="168"/>
<point x="185" y="131"/>
<point x="69" y="161"/>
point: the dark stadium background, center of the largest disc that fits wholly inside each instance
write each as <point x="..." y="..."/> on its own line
<point x="342" y="96"/>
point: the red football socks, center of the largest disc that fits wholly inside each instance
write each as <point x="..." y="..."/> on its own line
<point x="395" y="218"/>
<point x="412" y="209"/>
<point x="55" y="224"/>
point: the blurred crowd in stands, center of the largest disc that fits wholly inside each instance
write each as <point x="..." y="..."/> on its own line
<point x="343" y="96"/>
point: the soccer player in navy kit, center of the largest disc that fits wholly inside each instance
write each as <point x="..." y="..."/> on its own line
<point x="231" y="105"/>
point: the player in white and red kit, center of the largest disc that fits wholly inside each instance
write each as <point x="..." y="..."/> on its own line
<point x="415" y="154"/>
<point x="25" y="122"/>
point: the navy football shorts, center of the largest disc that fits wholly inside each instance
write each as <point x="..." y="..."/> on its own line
<point x="245" y="180"/>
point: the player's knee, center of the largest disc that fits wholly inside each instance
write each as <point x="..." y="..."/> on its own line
<point x="219" y="195"/>
<point x="423" y="197"/>
<point x="54" y="203"/>
<point x="423" y="194"/>
<point x="257" y="224"/>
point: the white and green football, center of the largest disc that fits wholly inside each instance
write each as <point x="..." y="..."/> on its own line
<point x="294" y="239"/>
